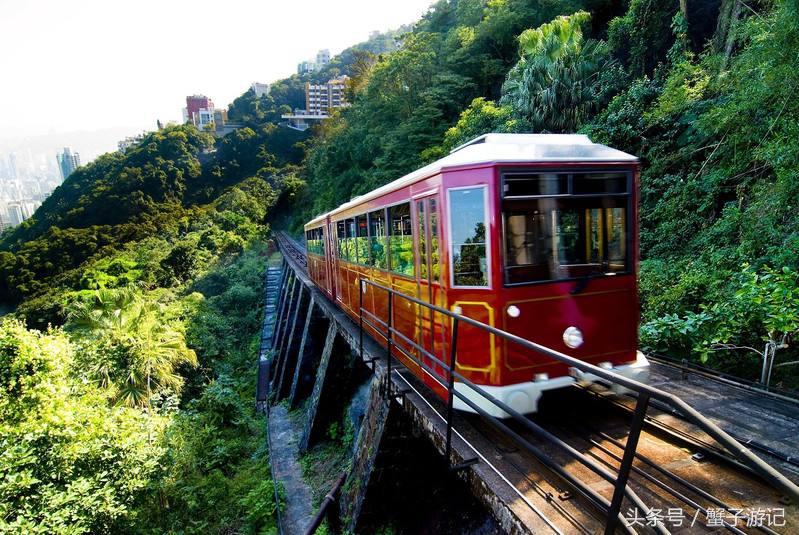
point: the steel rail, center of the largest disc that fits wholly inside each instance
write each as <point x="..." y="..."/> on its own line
<point x="484" y="459"/>
<point x="644" y="391"/>
<point x="658" y="483"/>
<point x="652" y="479"/>
<point x="610" y="508"/>
<point x="692" y="440"/>
<point x="733" y="446"/>
<point x="721" y="377"/>
<point x="682" y="481"/>
<point x="531" y="426"/>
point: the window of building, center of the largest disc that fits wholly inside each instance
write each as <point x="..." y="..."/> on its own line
<point x="401" y="240"/>
<point x="468" y="250"/>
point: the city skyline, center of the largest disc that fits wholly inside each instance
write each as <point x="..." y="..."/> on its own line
<point x="152" y="55"/>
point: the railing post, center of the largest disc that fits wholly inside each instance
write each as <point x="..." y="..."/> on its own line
<point x="451" y="384"/>
<point x="627" y="462"/>
<point x="390" y="323"/>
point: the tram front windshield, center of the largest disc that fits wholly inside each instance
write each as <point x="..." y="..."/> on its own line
<point x="565" y="225"/>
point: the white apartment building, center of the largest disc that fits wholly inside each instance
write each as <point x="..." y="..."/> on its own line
<point x="321" y="98"/>
<point x="260" y="89"/>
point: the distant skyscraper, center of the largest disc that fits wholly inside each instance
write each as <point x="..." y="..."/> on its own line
<point x="68" y="162"/>
<point x="14" y="210"/>
<point x="12" y="166"/>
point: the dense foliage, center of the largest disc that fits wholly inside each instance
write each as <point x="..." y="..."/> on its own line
<point x="137" y="415"/>
<point x="700" y="91"/>
<point x="130" y="408"/>
<point x="126" y="369"/>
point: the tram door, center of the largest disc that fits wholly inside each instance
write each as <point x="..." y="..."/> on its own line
<point x="429" y="325"/>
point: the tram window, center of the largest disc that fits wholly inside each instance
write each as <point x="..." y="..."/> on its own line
<point x="521" y="185"/>
<point x="468" y="228"/>
<point x="312" y="241"/>
<point x="341" y="235"/>
<point x="435" y="255"/>
<point x="530" y="184"/>
<point x="422" y="232"/>
<point x="377" y="238"/>
<point x="362" y="240"/>
<point x="401" y="240"/>
<point x="562" y="238"/>
<point x="317" y="242"/>
<point x="599" y="183"/>
<point x="615" y="226"/>
<point x="349" y="241"/>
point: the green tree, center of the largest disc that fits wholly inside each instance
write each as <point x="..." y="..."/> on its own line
<point x="135" y="351"/>
<point x="69" y="462"/>
<point x="555" y="86"/>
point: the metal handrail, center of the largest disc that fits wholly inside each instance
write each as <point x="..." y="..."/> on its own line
<point x="645" y="393"/>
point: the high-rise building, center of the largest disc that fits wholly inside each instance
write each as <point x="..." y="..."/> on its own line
<point x="305" y="66"/>
<point x="68" y="161"/>
<point x="321" y="98"/>
<point x="13" y="170"/>
<point x="322" y="58"/>
<point x="15" y="215"/>
<point x="260" y="89"/>
<point x="194" y="104"/>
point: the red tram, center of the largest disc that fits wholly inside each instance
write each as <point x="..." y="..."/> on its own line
<point x="534" y="234"/>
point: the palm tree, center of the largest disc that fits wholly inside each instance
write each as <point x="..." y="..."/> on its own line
<point x="554" y="85"/>
<point x="140" y="351"/>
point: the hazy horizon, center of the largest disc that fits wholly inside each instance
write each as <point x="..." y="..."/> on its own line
<point x="87" y="67"/>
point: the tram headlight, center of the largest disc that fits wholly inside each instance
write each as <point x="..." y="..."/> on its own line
<point x="573" y="337"/>
<point x="513" y="311"/>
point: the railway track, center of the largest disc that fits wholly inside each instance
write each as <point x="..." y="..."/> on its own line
<point x="690" y="484"/>
<point x="292" y="248"/>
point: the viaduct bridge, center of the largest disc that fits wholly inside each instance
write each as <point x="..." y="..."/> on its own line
<point x="665" y="457"/>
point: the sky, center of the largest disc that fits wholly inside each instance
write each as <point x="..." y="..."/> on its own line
<point x="88" y="66"/>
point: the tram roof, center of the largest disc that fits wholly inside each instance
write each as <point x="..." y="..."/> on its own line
<point x="503" y="148"/>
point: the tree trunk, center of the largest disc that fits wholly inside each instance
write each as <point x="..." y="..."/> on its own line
<point x="724" y="38"/>
<point x="684" y="11"/>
